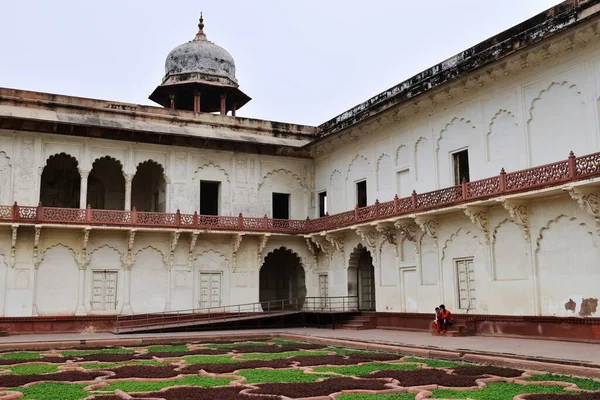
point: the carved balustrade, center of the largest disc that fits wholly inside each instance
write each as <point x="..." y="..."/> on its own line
<point x="572" y="169"/>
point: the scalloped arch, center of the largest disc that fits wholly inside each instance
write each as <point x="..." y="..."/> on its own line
<point x="459" y="232"/>
<point x="453" y="121"/>
<point x="335" y="171"/>
<point x="149" y="247"/>
<point x="104" y="246"/>
<point x="505" y="221"/>
<point x="400" y="147"/>
<point x="355" y="255"/>
<point x="287" y="249"/>
<point x="151" y="161"/>
<point x="546" y="90"/>
<point x="215" y="252"/>
<point x="497" y="115"/>
<point x="62" y="153"/>
<point x="55" y="246"/>
<point x="380" y="158"/>
<point x="211" y="164"/>
<point x="352" y="163"/>
<point x="109" y="158"/>
<point x="284" y="171"/>
<point x="555" y="220"/>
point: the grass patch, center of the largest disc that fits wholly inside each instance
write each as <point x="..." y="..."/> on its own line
<point x="393" y="396"/>
<point x="287" y="354"/>
<point x="21" y="355"/>
<point x="435" y="363"/>
<point x="34" y="369"/>
<point x="582" y="383"/>
<point x="133" y="386"/>
<point x="496" y="391"/>
<point x="53" y="391"/>
<point x="356" y="370"/>
<point x="93" y="366"/>
<point x="75" y="353"/>
<point x="209" y="359"/>
<point x="277" y="375"/>
<point x="167" y="349"/>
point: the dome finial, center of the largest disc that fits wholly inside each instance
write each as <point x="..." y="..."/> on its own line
<point x="200" y="35"/>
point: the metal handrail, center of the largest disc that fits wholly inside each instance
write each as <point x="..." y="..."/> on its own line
<point x="177" y="318"/>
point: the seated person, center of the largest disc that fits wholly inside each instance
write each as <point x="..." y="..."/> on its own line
<point x="435" y="320"/>
<point x="445" y="319"/>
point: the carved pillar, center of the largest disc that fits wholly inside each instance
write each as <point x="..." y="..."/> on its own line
<point x="81" y="291"/>
<point x="128" y="180"/>
<point x="127" y="289"/>
<point x="83" y="188"/>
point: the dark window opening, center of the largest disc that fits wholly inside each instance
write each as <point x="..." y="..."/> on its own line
<point x="281" y="206"/>
<point x="209" y="198"/>
<point x="361" y="194"/>
<point x="461" y="166"/>
<point x="322" y="204"/>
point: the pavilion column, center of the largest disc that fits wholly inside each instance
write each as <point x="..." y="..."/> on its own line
<point x="80" y="310"/>
<point x="172" y="100"/>
<point x="223" y="104"/>
<point x="128" y="180"/>
<point x="233" y="110"/>
<point x="197" y="102"/>
<point x="83" y="188"/>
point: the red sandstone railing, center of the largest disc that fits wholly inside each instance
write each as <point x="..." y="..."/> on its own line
<point x="572" y="169"/>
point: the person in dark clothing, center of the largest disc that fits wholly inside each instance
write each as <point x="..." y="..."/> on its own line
<point x="445" y="319"/>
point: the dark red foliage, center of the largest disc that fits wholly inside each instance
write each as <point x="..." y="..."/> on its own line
<point x="226" y="368"/>
<point x="196" y="393"/>
<point x="144" y="371"/>
<point x="275" y="349"/>
<point x="487" y="370"/>
<point x="52" y="360"/>
<point x="425" y="377"/>
<point x="324" y="388"/>
<point x="67" y="376"/>
<point x="169" y="354"/>
<point x="104" y="357"/>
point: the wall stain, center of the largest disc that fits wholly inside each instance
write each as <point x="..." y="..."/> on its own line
<point x="588" y="307"/>
<point x="570" y="305"/>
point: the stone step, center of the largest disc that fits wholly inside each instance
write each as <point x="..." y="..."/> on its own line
<point x="356" y="327"/>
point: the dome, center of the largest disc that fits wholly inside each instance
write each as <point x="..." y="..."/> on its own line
<point x="200" y="60"/>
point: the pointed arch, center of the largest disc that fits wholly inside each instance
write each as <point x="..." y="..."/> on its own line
<point x="459" y="233"/>
<point x="104" y="246"/>
<point x="556" y="220"/>
<point x="357" y="158"/>
<point x="147" y="247"/>
<point x="216" y="253"/>
<point x="401" y="147"/>
<point x="61" y="182"/>
<point x="281" y="171"/>
<point x="282" y="277"/>
<point x="208" y="165"/>
<point x="446" y="127"/>
<point x="148" y="187"/>
<point x="106" y="184"/>
<point x="334" y="173"/>
<point x="546" y="90"/>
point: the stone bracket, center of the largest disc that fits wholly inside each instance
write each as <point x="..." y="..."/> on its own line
<point x="519" y="214"/>
<point x="479" y="217"/>
<point x="193" y="240"/>
<point x="37" y="260"/>
<point x="588" y="201"/>
<point x="368" y="236"/>
<point x="429" y="227"/>
<point x="127" y="258"/>
<point x="262" y="243"/>
<point x="388" y="233"/>
<point x="409" y="231"/>
<point x="322" y="244"/>
<point x="13" y="245"/>
<point x="170" y="258"/>
<point x="83" y="258"/>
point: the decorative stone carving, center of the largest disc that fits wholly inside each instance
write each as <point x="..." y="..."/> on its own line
<point x="519" y="214"/>
<point x="387" y="231"/>
<point x="428" y="226"/>
<point x="337" y="242"/>
<point x="170" y="258"/>
<point x="312" y="248"/>
<point x="368" y="236"/>
<point x="262" y="243"/>
<point x="479" y="218"/>
<point x="322" y="244"/>
<point x="13" y="245"/>
<point x="36" y="243"/>
<point x="408" y="231"/>
<point x="127" y="260"/>
<point x="83" y="259"/>
<point x="236" y="243"/>
<point x="180" y="165"/>
<point x="587" y="199"/>
<point x="193" y="240"/>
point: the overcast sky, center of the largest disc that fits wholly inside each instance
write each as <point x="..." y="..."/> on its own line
<point x="301" y="61"/>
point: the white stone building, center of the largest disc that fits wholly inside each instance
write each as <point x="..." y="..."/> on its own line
<point x="523" y="243"/>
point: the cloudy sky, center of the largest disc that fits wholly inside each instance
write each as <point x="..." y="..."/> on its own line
<point x="302" y="61"/>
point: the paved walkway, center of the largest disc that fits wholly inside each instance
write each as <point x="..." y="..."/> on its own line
<point x="563" y="351"/>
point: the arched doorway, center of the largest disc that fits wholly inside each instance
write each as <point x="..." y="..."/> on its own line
<point x="106" y="185"/>
<point x="61" y="182"/>
<point x="148" y="188"/>
<point x="282" y="278"/>
<point x="361" y="278"/>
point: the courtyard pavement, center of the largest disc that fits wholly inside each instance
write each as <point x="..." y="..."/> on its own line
<point x="586" y="353"/>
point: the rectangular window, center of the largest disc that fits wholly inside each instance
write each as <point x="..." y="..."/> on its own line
<point x="209" y="197"/>
<point x="322" y="204"/>
<point x="465" y="273"/>
<point x="281" y="206"/>
<point x="461" y="166"/>
<point x="361" y="193"/>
